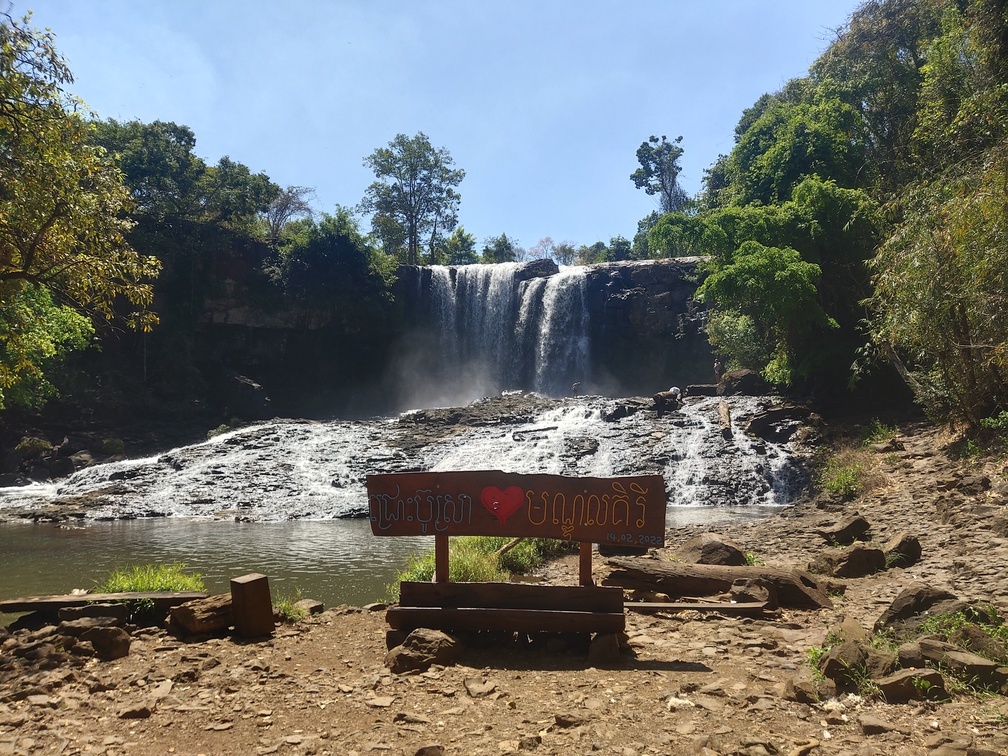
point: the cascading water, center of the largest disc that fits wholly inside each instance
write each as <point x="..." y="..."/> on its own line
<point x="500" y="332"/>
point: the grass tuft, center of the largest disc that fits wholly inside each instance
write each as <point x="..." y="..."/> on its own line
<point x="151" y="577"/>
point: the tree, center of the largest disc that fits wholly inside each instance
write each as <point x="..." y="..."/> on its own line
<point x="292" y="202"/>
<point x="63" y="217"/>
<point x="659" y="173"/>
<point x="414" y="197"/>
<point x="501" y="249"/>
<point x="459" y="248"/>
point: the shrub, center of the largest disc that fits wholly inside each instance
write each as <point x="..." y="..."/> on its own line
<point x="288" y="611"/>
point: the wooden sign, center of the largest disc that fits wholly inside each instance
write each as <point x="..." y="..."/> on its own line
<point x="628" y="511"/>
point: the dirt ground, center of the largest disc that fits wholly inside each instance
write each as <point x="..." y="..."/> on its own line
<point x="687" y="684"/>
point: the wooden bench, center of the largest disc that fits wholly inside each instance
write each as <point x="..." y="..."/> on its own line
<point x="621" y="511"/>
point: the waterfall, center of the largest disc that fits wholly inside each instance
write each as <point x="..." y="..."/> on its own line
<point x="500" y="331"/>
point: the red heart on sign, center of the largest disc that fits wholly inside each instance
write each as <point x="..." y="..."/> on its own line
<point x="502" y="504"/>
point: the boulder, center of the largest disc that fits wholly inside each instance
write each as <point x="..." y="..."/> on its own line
<point x="201" y="616"/>
<point x="742" y="383"/>
<point x="902" y="550"/>
<point x="109" y="642"/>
<point x="846" y="531"/>
<point x="963" y="663"/>
<point x="905" y="685"/>
<point x="843" y="662"/>
<point x="422" y="648"/>
<point x="858" y="560"/>
<point x="711" y="548"/>
<point x="906" y="610"/>
<point x="972" y="638"/>
<point x="778" y="424"/>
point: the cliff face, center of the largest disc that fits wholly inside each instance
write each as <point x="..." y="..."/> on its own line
<point x="643" y="325"/>
<point x="646" y="326"/>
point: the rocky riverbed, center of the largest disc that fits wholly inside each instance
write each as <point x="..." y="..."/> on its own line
<point x="684" y="683"/>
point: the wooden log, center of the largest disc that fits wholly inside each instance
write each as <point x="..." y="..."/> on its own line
<point x="725" y="412"/>
<point x="511" y="596"/>
<point x="513" y="620"/>
<point x="251" y="605"/>
<point x="746" y="609"/>
<point x="207" y="615"/>
<point x="161" y="600"/>
<point x="795" y="588"/>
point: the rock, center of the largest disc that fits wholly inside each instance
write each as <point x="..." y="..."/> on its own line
<point x="846" y="531"/>
<point x="568" y="719"/>
<point x="963" y="663"/>
<point x="913" y="601"/>
<point x="117" y="611"/>
<point x="902" y="550"/>
<point x="711" y="548"/>
<point x="778" y="424"/>
<point x="975" y="640"/>
<point x="911" y="684"/>
<point x="754" y="590"/>
<point x="858" y="560"/>
<point x="871" y="725"/>
<point x="109" y="642"/>
<point x="209" y="615"/>
<point x="431" y="750"/>
<point x="604" y="649"/>
<point x="77" y="627"/>
<point x="477" y="687"/>
<point x="843" y="662"/>
<point x="742" y="383"/>
<point x="135" y="710"/>
<point x="422" y="648"/>
<point x="310" y="606"/>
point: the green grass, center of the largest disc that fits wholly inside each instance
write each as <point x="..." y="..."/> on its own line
<point x="880" y="433"/>
<point x="474" y="559"/>
<point x="151" y="577"/>
<point x="287" y="609"/>
<point x="843" y="474"/>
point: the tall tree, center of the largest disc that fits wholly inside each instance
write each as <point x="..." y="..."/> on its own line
<point x="292" y="202"/>
<point x="62" y="217"/>
<point x="414" y="197"/>
<point x="500" y="249"/>
<point x="659" y="172"/>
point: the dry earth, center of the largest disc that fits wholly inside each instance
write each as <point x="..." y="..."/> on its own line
<point x="688" y="684"/>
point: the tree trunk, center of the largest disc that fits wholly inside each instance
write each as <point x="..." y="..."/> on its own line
<point x="795" y="588"/>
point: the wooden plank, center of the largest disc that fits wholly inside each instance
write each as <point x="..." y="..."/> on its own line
<point x="746" y="609"/>
<point x="511" y="620"/>
<point x="161" y="600"/>
<point x="441" y="560"/>
<point x="626" y="510"/>
<point x="251" y="605"/>
<point x="585" y="564"/>
<point x="511" y="596"/>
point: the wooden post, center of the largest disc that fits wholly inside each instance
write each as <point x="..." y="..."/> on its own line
<point x="585" y="564"/>
<point x="251" y="605"/>
<point x="440" y="559"/>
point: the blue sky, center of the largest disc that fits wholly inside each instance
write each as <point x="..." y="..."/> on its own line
<point x="542" y="102"/>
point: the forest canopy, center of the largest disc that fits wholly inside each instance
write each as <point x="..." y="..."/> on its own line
<point x="859" y="220"/>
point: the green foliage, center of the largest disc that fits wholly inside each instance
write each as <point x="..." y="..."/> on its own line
<point x="414" y="198"/>
<point x="458" y="249"/>
<point x="659" y="173"/>
<point x="475" y="559"/>
<point x="151" y="577"/>
<point x="997" y="422"/>
<point x="35" y="334"/>
<point x="113" y="446"/>
<point x="880" y="433"/>
<point x="500" y="249"/>
<point x="843" y="474"/>
<point x="288" y="611"/>
<point x="33" y="446"/>
<point x="62" y="221"/>
<point x="776" y="289"/>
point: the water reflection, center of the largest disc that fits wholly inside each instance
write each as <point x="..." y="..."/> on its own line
<point x="333" y="561"/>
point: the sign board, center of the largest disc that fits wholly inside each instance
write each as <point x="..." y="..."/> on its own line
<point x="628" y="511"/>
